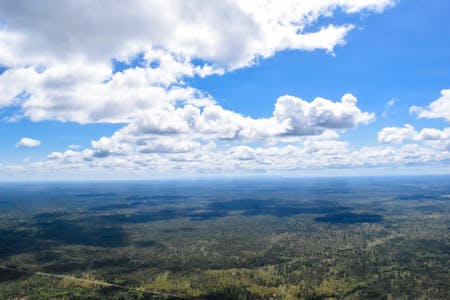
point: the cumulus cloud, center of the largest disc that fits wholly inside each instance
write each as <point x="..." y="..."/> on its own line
<point x="397" y="135"/>
<point x="242" y="153"/>
<point x="98" y="30"/>
<point x="86" y="93"/>
<point x="397" y="156"/>
<point x="292" y="116"/>
<point x="309" y="118"/>
<point x="28" y="143"/>
<point x="68" y="73"/>
<point x="439" y="108"/>
<point x="439" y="139"/>
<point x="189" y="128"/>
<point x="213" y="137"/>
<point x="307" y="155"/>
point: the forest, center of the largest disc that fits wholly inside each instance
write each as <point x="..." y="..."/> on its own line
<point x="353" y="238"/>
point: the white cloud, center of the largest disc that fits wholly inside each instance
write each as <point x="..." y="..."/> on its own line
<point x="311" y="118"/>
<point x="397" y="156"/>
<point x="86" y="93"/>
<point x="189" y="128"/>
<point x="28" y="143"/>
<point x="212" y="137"/>
<point x="242" y="153"/>
<point x="292" y="116"/>
<point x="397" y="135"/>
<point x="67" y="74"/>
<point x="96" y="30"/>
<point x="439" y="139"/>
<point x="306" y="156"/>
<point x="432" y="134"/>
<point x="439" y="108"/>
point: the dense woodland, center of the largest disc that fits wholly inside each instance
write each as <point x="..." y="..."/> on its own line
<point x="320" y="240"/>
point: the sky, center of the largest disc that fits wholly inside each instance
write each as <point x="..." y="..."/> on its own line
<point x="153" y="89"/>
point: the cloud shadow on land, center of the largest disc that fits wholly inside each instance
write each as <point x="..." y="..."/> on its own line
<point x="89" y="234"/>
<point x="47" y="233"/>
<point x="212" y="211"/>
<point x="272" y="207"/>
<point x="350" y="218"/>
<point x="12" y="275"/>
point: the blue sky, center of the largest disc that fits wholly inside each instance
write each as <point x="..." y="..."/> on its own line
<point x="401" y="54"/>
<point x="199" y="101"/>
